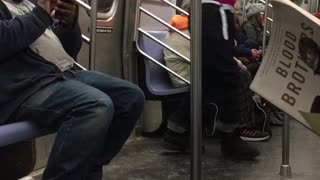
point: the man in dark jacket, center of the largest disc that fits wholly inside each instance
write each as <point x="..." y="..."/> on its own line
<point x="93" y="113"/>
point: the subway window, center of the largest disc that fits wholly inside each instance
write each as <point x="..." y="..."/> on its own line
<point x="106" y="8"/>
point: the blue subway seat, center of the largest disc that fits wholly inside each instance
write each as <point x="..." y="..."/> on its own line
<point x="157" y="79"/>
<point x="18" y="132"/>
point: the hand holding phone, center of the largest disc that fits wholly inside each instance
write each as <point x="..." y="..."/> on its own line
<point x="44" y="4"/>
<point x="66" y="12"/>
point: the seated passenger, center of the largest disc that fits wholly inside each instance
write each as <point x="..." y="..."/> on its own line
<point x="180" y="44"/>
<point x="248" y="56"/>
<point x="251" y="35"/>
<point x="93" y="113"/>
<point x="225" y="84"/>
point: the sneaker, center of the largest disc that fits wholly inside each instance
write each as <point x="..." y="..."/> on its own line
<point x="178" y="141"/>
<point x="253" y="135"/>
<point x="274" y="118"/>
<point x="233" y="146"/>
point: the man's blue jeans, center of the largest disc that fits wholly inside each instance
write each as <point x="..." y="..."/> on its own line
<point x="93" y="114"/>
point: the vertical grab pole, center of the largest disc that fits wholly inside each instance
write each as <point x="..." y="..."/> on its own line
<point x="196" y="86"/>
<point x="137" y="20"/>
<point x="285" y="169"/>
<point x="93" y="25"/>
<point x="266" y="12"/>
<point x="244" y="12"/>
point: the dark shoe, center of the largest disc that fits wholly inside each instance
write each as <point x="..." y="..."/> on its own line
<point x="254" y="135"/>
<point x="234" y="147"/>
<point x="274" y="118"/>
<point x="178" y="141"/>
<point x="274" y="115"/>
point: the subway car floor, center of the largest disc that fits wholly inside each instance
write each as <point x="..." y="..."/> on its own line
<point x="145" y="159"/>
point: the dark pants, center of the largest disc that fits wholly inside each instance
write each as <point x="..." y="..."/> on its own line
<point x="93" y="113"/>
<point x="236" y="109"/>
<point x="223" y="82"/>
<point x="253" y="68"/>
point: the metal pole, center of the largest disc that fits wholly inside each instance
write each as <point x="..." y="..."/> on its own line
<point x="93" y="25"/>
<point x="244" y="12"/>
<point x="163" y="22"/>
<point x="137" y="20"/>
<point x="176" y="7"/>
<point x="265" y="27"/>
<point x="187" y="60"/>
<point x="84" y="5"/>
<point x="196" y="95"/>
<point x="285" y="169"/>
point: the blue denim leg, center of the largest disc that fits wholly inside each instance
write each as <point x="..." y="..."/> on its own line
<point x="128" y="102"/>
<point x="82" y="115"/>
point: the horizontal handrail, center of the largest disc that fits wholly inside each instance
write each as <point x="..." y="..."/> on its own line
<point x="176" y="7"/>
<point x="79" y="66"/>
<point x="161" y="65"/>
<point x="264" y="2"/>
<point x="164" y="45"/>
<point x="163" y="22"/>
<point x="85" y="39"/>
<point x="84" y="5"/>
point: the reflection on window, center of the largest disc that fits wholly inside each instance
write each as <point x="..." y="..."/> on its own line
<point x="106" y="8"/>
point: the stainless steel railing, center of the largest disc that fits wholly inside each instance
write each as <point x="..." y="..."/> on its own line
<point x="139" y="31"/>
<point x="164" y="45"/>
<point x="196" y="95"/>
<point x="93" y="27"/>
<point x="196" y="89"/>
<point x="175" y="7"/>
<point x="285" y="168"/>
<point x="163" y="22"/>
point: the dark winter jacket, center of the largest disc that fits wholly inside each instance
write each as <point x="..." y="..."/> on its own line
<point x="23" y="72"/>
<point x="242" y="52"/>
<point x="251" y="36"/>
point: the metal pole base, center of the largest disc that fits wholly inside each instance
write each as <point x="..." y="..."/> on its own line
<point x="285" y="171"/>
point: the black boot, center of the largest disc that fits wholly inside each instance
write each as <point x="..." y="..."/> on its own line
<point x="178" y="141"/>
<point x="233" y="146"/>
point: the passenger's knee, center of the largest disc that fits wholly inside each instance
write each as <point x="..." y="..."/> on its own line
<point x="99" y="114"/>
<point x="137" y="97"/>
<point x="104" y="108"/>
<point x="132" y="101"/>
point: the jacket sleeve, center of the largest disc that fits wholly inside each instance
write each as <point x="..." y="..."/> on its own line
<point x="70" y="39"/>
<point x="242" y="52"/>
<point x="252" y="38"/>
<point x="18" y="33"/>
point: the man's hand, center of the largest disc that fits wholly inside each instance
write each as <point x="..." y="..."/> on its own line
<point x="66" y="12"/>
<point x="45" y="4"/>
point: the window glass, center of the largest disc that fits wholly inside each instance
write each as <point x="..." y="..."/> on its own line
<point x="106" y="8"/>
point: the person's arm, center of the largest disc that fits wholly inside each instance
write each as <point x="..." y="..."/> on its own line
<point x="242" y="52"/>
<point x="18" y="33"/>
<point x="68" y="29"/>
<point x="71" y="39"/>
<point x="251" y="40"/>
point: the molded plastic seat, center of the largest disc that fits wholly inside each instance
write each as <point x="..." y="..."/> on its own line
<point x="18" y="132"/>
<point x="157" y="79"/>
